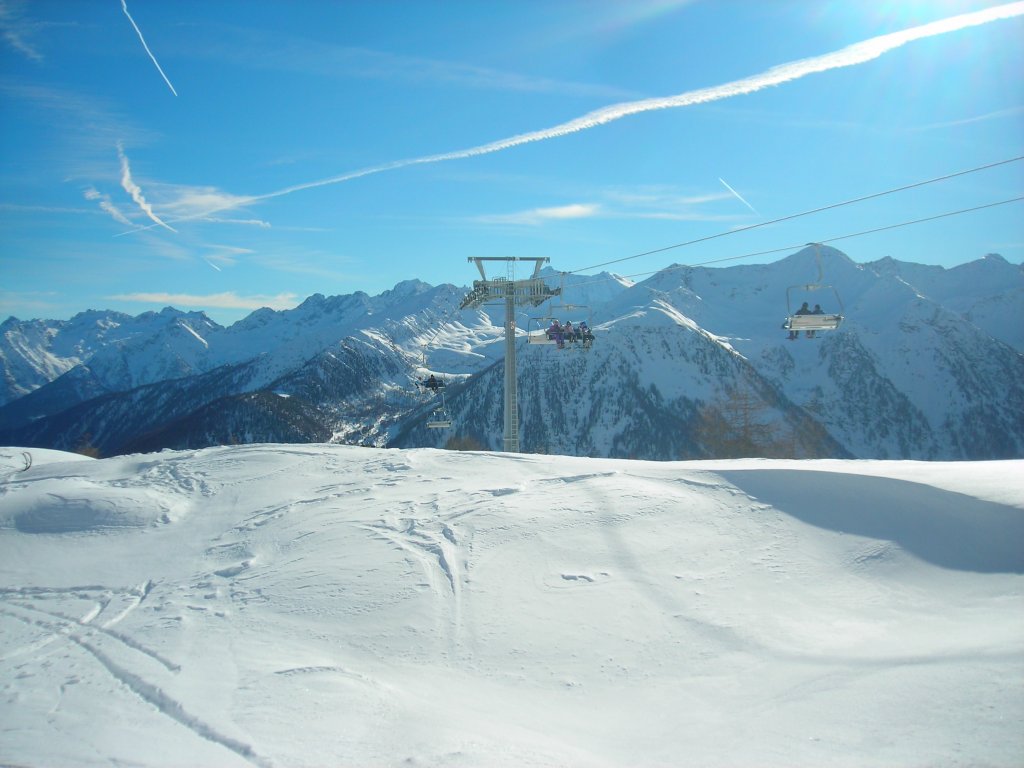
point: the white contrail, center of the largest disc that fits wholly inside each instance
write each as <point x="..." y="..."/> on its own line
<point x="737" y="195"/>
<point x="858" y="53"/>
<point x="106" y="205"/>
<point x="124" y="7"/>
<point x="135" y="191"/>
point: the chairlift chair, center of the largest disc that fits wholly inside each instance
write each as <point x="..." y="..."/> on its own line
<point x="537" y="330"/>
<point x="812" y="322"/>
<point x="439" y="418"/>
<point x="537" y="327"/>
<point x="437" y="384"/>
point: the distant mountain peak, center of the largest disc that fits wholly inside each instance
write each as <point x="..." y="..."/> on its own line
<point x="408" y="288"/>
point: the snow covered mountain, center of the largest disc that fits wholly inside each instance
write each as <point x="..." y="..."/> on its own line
<point x="904" y="377"/>
<point x="111" y="352"/>
<point x="690" y="363"/>
<point x="654" y="385"/>
<point x="128" y="351"/>
<point x="986" y="292"/>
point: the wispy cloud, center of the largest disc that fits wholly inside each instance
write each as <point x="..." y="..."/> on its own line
<point x="135" y="191"/>
<point x="644" y="203"/>
<point x="224" y="255"/>
<point x="538" y="216"/>
<point x="179" y="202"/>
<point x="737" y="195"/>
<point x="16" y="30"/>
<point x="233" y="250"/>
<point x="327" y="266"/>
<point x="997" y="115"/>
<point x="243" y="222"/>
<point x="227" y="300"/>
<point x="681" y="216"/>
<point x="107" y="205"/>
<point x="308" y="56"/>
<point x="663" y="198"/>
<point x="124" y="7"/>
<point x="89" y="125"/>
<point x="17" y="207"/>
<point x="27" y="303"/>
<point x="189" y="203"/>
<point x="185" y="202"/>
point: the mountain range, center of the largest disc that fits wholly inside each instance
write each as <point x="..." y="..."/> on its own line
<point x="690" y="363"/>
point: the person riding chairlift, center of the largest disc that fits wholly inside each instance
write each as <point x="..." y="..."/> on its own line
<point x="804" y="310"/>
<point x="557" y="334"/>
<point x="816" y="311"/>
<point x="584" y="332"/>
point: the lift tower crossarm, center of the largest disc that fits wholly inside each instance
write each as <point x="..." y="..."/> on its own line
<point x="533" y="290"/>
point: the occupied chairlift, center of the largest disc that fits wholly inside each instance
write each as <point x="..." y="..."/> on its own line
<point x="796" y="321"/>
<point x="439" y="417"/>
<point x="537" y="327"/>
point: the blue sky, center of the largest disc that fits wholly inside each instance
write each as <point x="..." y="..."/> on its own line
<point x="228" y="155"/>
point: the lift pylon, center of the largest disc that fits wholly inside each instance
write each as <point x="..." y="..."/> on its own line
<point x="511" y="292"/>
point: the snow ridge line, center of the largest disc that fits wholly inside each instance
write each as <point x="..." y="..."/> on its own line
<point x="155" y="696"/>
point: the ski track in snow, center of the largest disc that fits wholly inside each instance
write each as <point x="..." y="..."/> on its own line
<point x="132" y="670"/>
<point x="442" y="554"/>
<point x="154" y="695"/>
<point x="61" y="626"/>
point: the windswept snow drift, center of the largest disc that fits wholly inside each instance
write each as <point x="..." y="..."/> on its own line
<point x="333" y="605"/>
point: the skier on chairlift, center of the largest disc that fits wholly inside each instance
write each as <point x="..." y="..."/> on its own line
<point x="804" y="310"/>
<point x="816" y="311"/>
<point x="557" y="334"/>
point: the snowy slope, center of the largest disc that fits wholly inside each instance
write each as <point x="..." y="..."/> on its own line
<point x="332" y="605"/>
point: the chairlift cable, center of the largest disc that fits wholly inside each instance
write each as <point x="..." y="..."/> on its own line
<point x="792" y="216"/>
<point x="791" y="248"/>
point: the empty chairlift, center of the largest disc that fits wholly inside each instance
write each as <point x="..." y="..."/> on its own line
<point x="439" y="417"/>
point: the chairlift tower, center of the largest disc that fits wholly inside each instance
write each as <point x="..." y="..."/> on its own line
<point x="512" y="293"/>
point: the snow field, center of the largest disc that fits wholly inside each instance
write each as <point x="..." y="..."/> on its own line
<point x="331" y="605"/>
